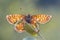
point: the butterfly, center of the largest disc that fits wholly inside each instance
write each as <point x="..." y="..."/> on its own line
<point x="19" y="20"/>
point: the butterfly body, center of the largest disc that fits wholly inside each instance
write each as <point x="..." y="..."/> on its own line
<point x="28" y="18"/>
<point x="31" y="19"/>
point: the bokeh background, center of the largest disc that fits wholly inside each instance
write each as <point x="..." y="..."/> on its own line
<point x="51" y="30"/>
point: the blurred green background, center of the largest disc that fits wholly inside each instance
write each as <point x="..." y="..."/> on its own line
<point x="51" y="30"/>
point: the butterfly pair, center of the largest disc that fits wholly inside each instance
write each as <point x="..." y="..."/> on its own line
<point x="19" y="20"/>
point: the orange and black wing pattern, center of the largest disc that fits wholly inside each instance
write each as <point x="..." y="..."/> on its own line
<point x="19" y="27"/>
<point x="41" y="18"/>
<point x="12" y="19"/>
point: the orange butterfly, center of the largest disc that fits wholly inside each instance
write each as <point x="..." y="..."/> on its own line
<point x="15" y="19"/>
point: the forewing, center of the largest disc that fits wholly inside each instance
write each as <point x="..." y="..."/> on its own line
<point x="12" y="19"/>
<point x="41" y="18"/>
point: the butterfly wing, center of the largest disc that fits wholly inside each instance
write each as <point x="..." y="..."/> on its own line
<point x="41" y="18"/>
<point x="19" y="27"/>
<point x="15" y="19"/>
<point x="12" y="19"/>
<point x="34" y="25"/>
